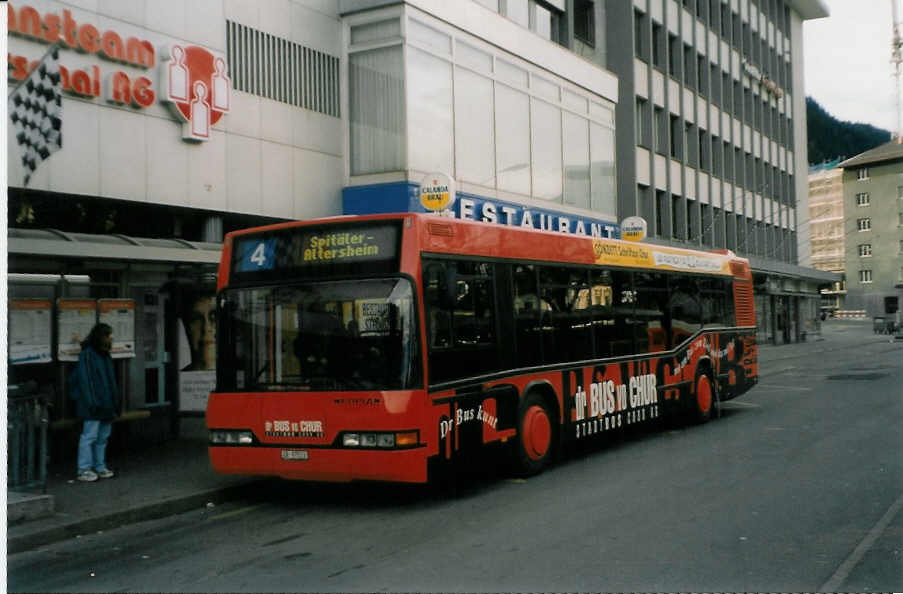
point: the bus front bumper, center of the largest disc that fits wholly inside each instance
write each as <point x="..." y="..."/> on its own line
<point x="322" y="464"/>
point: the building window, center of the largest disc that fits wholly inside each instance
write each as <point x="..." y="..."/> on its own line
<point x="660" y="214"/>
<point x="865" y="250"/>
<point x="576" y="153"/>
<point x="376" y="102"/>
<point x="639" y="36"/>
<point x="659" y="131"/>
<point x="862" y="173"/>
<point x="689" y="67"/>
<point x="518" y="11"/>
<point x="864" y="224"/>
<point x="900" y="192"/>
<point x="542" y="22"/>
<point x="715" y="94"/>
<point x="862" y="199"/>
<point x="642" y="122"/>
<point x="865" y="276"/>
<point x="716" y="157"/>
<point x="689" y="144"/>
<point x="901" y="246"/>
<point x="676" y="136"/>
<point x="675" y="210"/>
<point x="658" y="46"/>
<point x="702" y="71"/>
<point x="585" y="21"/>
<point x="690" y="234"/>
<point x="675" y="56"/>
<point x="545" y="127"/>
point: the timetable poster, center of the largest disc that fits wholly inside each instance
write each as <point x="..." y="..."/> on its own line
<point x="29" y="331"/>
<point x="75" y="318"/>
<point x="120" y="315"/>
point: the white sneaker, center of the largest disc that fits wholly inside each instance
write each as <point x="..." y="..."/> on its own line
<point x="88" y="476"/>
<point x="105" y="473"/>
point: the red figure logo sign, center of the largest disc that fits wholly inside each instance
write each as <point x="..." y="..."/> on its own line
<point x="194" y="83"/>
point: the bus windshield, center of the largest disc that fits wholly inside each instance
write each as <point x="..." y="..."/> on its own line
<point x="319" y="336"/>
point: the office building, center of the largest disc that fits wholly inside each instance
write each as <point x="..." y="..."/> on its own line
<point x="711" y="138"/>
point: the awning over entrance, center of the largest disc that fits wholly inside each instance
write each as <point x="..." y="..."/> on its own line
<point x="783" y="269"/>
<point x="58" y="244"/>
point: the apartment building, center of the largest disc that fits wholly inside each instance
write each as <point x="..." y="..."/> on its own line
<point x="873" y="226"/>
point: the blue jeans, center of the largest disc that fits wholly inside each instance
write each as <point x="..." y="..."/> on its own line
<point x="92" y="447"/>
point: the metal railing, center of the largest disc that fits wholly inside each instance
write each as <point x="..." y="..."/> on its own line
<point x="28" y="418"/>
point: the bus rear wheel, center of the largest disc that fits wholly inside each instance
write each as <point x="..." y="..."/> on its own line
<point x="536" y="436"/>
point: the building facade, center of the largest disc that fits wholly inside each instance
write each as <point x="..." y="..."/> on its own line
<point x="183" y="121"/>
<point x="711" y="138"/>
<point x="873" y="224"/>
<point x="826" y="230"/>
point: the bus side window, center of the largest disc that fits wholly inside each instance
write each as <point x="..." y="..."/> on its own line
<point x="438" y="319"/>
<point x="651" y="328"/>
<point x="527" y="307"/>
<point x="566" y="327"/>
<point x="716" y="302"/>
<point x="684" y="307"/>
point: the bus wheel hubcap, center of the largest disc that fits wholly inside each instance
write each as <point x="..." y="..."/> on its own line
<point x="704" y="394"/>
<point x="537" y="432"/>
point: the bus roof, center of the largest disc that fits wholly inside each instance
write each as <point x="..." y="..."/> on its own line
<point x="444" y="235"/>
<point x="452" y="236"/>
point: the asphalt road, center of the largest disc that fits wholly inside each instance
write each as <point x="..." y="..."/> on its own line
<point x="798" y="487"/>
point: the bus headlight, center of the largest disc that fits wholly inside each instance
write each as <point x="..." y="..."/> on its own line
<point x="231" y="437"/>
<point x="383" y="440"/>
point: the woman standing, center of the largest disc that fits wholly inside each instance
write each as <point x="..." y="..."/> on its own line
<point x="97" y="401"/>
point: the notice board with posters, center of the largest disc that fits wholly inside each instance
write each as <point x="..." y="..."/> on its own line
<point x="120" y="315"/>
<point x="74" y="319"/>
<point x="30" y="323"/>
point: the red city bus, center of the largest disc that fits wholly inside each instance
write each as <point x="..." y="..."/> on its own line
<point x="386" y="347"/>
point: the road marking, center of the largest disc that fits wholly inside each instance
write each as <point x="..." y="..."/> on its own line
<point x="776" y="387"/>
<point x="235" y="512"/>
<point x="846" y="568"/>
<point x="733" y="404"/>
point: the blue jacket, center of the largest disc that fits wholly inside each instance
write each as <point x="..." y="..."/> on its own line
<point x="92" y="385"/>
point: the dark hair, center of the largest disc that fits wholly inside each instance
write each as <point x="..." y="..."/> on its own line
<point x="99" y="331"/>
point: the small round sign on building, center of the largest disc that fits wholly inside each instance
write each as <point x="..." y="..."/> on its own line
<point x="437" y="192"/>
<point x="633" y="229"/>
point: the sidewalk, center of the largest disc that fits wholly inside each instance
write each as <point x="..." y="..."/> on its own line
<point x="176" y="477"/>
<point x="835" y="335"/>
<point x="172" y="478"/>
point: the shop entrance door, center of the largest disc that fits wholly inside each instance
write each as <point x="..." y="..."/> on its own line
<point x="148" y="378"/>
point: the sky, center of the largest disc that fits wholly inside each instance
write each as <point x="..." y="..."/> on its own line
<point x="847" y="61"/>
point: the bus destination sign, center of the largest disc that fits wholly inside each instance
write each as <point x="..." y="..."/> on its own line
<point x="306" y="248"/>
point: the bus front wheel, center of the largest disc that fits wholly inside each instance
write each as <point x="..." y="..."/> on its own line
<point x="536" y="435"/>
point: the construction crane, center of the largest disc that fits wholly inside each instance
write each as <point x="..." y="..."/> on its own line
<point x="896" y="57"/>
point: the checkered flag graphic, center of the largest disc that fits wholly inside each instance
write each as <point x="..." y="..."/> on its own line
<point x="36" y="110"/>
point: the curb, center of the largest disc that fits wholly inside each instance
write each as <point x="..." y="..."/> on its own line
<point x="175" y="505"/>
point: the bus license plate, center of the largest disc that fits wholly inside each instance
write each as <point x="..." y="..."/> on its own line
<point x="294" y="454"/>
